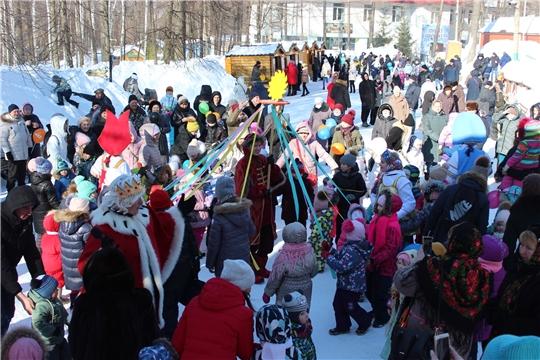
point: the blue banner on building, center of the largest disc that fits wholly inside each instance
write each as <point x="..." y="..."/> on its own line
<point x="428" y="32"/>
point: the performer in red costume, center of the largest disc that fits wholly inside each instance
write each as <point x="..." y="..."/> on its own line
<point x="262" y="177"/>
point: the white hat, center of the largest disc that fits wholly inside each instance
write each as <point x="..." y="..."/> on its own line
<point x="239" y="273"/>
<point x="79" y="204"/>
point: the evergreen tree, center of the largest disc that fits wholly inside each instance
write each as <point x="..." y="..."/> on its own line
<point x="405" y="42"/>
<point x="383" y="36"/>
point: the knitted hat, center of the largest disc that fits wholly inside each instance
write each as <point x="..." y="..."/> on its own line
<point x="193" y="149"/>
<point x="294" y="303"/>
<point x="354" y="230"/>
<point x="44" y="285"/>
<point x="339" y="107"/>
<point x="414" y="173"/>
<point x="81" y="139"/>
<point x="349" y="118"/>
<point x="43" y="166"/>
<point x="502" y="215"/>
<point x="511" y="347"/>
<point x="531" y="184"/>
<point x="62" y="165"/>
<point x="488" y="83"/>
<point x="169" y="88"/>
<point x="234" y="107"/>
<point x="392" y="159"/>
<point x="79" y="204"/>
<point x="115" y="136"/>
<point x="90" y="149"/>
<point x="409" y="256"/>
<point x="397" y="203"/>
<point x="160" y="200"/>
<point x="12" y="107"/>
<point x="348" y="159"/>
<point x="99" y="90"/>
<point x="211" y="118"/>
<point x="182" y="99"/>
<point x="132" y="98"/>
<point x="273" y="326"/>
<point x="253" y="94"/>
<point x="494" y="249"/>
<point x="84" y="188"/>
<point x="481" y="166"/>
<point x="239" y="273"/>
<point x="225" y="188"/>
<point x="439" y="172"/>
<point x="294" y="233"/>
<point x="192" y="126"/>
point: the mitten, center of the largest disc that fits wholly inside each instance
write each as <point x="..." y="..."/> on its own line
<point x="266" y="193"/>
<point x="271" y="160"/>
<point x="9" y="156"/>
<point x="325" y="254"/>
<point x="326" y="246"/>
<point x="266" y="298"/>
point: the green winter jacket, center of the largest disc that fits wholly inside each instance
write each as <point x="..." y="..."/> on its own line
<point x="356" y="145"/>
<point x="433" y="124"/>
<point x="48" y="316"/>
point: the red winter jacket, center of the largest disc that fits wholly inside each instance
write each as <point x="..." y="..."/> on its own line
<point x="50" y="247"/>
<point x="220" y="325"/>
<point x="292" y="74"/>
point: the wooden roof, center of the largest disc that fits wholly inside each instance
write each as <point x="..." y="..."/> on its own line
<point x="273" y="49"/>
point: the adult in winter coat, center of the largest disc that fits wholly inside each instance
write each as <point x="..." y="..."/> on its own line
<point x="505" y="59"/>
<point x="136" y="112"/>
<point x="299" y="152"/>
<point x="438" y="69"/>
<point x="427" y="102"/>
<point x="32" y="124"/>
<point x="353" y="72"/>
<point x="399" y="134"/>
<point x="480" y="64"/>
<point x="204" y="96"/>
<point x="450" y="73"/>
<point x="253" y="104"/>
<point x="459" y="96"/>
<point x="433" y="123"/>
<point x="74" y="232"/>
<point x="447" y="100"/>
<point x="162" y="121"/>
<point x="340" y="93"/>
<point x="292" y="77"/>
<point x="523" y="213"/>
<point x="378" y="100"/>
<point x="472" y="185"/>
<point x="494" y="64"/>
<point x="316" y="67"/>
<point x="320" y="112"/>
<point x="187" y="131"/>
<point x="256" y="71"/>
<point x="219" y="322"/>
<point x="16" y="145"/>
<point x="231" y="227"/>
<point x="465" y="291"/>
<point x="288" y="207"/>
<point x="486" y="101"/>
<point x="399" y="104"/>
<point x="367" y="96"/>
<point x="181" y="113"/>
<point x="115" y="317"/>
<point x="149" y="154"/>
<point x="423" y="75"/>
<point x="473" y="86"/>
<point x="326" y="73"/>
<point x="509" y="121"/>
<point x="413" y="93"/>
<point x="385" y="121"/>
<point x="99" y="97"/>
<point x="216" y="105"/>
<point x="131" y="85"/>
<point x="427" y="86"/>
<point x="18" y="241"/>
<point x="305" y="79"/>
<point x="457" y="63"/>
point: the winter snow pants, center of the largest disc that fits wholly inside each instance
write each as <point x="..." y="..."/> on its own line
<point x="345" y="307"/>
<point x="373" y="115"/>
<point x="365" y="113"/>
<point x="8" y="309"/>
<point x="378" y="287"/>
<point x="16" y="173"/>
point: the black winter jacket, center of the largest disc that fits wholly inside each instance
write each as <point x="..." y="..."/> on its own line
<point x="351" y="183"/>
<point x="219" y="108"/>
<point x="412" y="95"/>
<point x="18" y="239"/>
<point x="340" y="94"/>
<point x="367" y="92"/>
<point x="204" y="96"/>
<point x="48" y="199"/>
<point x="178" y="115"/>
<point x="181" y="142"/>
<point x="214" y="136"/>
<point x="103" y="101"/>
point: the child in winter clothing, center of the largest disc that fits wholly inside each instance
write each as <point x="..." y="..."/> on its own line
<point x="200" y="216"/>
<point x="298" y="309"/>
<point x="294" y="266"/>
<point x="325" y="223"/>
<point x="274" y="329"/>
<point x="385" y="235"/>
<point x="288" y="210"/>
<point x="131" y="153"/>
<point x="86" y="159"/>
<point x="215" y="133"/>
<point x="86" y="190"/>
<point x="49" y="316"/>
<point x="51" y="255"/>
<point x="350" y="265"/>
<point x="149" y="155"/>
<point x="499" y="224"/>
<point x="348" y="135"/>
<point x="63" y="177"/>
<point x="446" y="145"/>
<point x="415" y="156"/>
<point x="231" y="227"/>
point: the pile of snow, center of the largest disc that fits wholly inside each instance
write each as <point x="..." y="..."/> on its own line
<point x="528" y="50"/>
<point x="527" y="25"/>
<point x="35" y="85"/>
<point x="524" y="72"/>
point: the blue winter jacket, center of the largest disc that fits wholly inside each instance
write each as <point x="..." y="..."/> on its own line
<point x="504" y="60"/>
<point x="350" y="264"/>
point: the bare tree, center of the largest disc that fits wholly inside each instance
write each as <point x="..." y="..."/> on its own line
<point x="66" y="41"/>
<point x="324" y="22"/>
<point x="435" y="44"/>
<point x="477" y="5"/>
<point x="371" y="24"/>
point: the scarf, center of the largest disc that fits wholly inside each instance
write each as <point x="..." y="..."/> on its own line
<point x="275" y="351"/>
<point x="466" y="285"/>
<point x="302" y="331"/>
<point x="527" y="272"/>
<point x="347" y="135"/>
<point x="491" y="266"/>
<point x="289" y="256"/>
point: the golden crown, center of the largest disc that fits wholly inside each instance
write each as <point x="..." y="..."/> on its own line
<point x="129" y="190"/>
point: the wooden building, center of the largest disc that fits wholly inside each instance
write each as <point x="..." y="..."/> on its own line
<point x="503" y="29"/>
<point x="292" y="51"/>
<point x="241" y="59"/>
<point x="131" y="53"/>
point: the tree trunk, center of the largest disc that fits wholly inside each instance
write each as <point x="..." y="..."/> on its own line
<point x="371" y="24"/>
<point x="167" y="50"/>
<point x="434" y="46"/>
<point x="247" y="21"/>
<point x="105" y="33"/>
<point x="7" y="44"/>
<point x="154" y="32"/>
<point x="183" y="32"/>
<point x="79" y="38"/>
<point x="66" y="39"/>
<point x="93" y="38"/>
<point x="201" y="31"/>
<point x="348" y="25"/>
<point x="324" y="22"/>
<point x="18" y="28"/>
<point x="29" y="30"/>
<point x="146" y="14"/>
<point x="123" y="34"/>
<point x="473" y="32"/>
<point x="286" y="20"/>
<point x="53" y="43"/>
<point x="259" y="23"/>
<point x="302" y="19"/>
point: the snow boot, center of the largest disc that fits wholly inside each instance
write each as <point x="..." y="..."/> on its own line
<point x="261" y="261"/>
<point x="258" y="278"/>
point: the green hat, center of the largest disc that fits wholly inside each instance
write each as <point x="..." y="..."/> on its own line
<point x="85" y="189"/>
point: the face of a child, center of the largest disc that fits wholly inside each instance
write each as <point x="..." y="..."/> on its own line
<point x="500" y="226"/>
<point x="54" y="295"/>
<point x="86" y="156"/>
<point x="63" y="172"/>
<point x="257" y="148"/>
<point x="401" y="264"/>
<point x="337" y="112"/>
<point x="380" y="204"/>
<point x="434" y="196"/>
<point x="303" y="317"/>
<point x="418" y="145"/>
<point x="383" y="165"/>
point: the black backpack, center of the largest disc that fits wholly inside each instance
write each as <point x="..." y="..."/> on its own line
<point x="43" y="148"/>
<point x="461" y="207"/>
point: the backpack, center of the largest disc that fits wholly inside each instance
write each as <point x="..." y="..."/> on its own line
<point x="461" y="208"/>
<point x="44" y="150"/>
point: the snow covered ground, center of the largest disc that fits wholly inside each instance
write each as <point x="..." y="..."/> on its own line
<point x="17" y="87"/>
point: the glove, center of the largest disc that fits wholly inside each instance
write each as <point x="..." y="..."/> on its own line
<point x="271" y="160"/>
<point x="266" y="298"/>
<point x="186" y="206"/>
<point x="9" y="156"/>
<point x="143" y="170"/>
<point x="266" y="193"/>
<point x="57" y="332"/>
<point x="351" y="197"/>
<point x="325" y="254"/>
<point x="326" y="246"/>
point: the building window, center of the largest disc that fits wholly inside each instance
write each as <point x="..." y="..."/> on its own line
<point x="367" y="12"/>
<point x="339" y="11"/>
<point x="397" y="13"/>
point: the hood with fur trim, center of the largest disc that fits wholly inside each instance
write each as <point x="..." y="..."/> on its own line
<point x="18" y="333"/>
<point x="70" y="216"/>
<point x="477" y="178"/>
<point x="385" y="106"/>
<point x="238" y="205"/>
<point x="8" y="119"/>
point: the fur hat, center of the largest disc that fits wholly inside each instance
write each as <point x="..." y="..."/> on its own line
<point x="481" y="166"/>
<point x="160" y="200"/>
<point x="193" y="149"/>
<point x="494" y="249"/>
<point x="433" y="185"/>
<point x="439" y="172"/>
<point x="81" y="139"/>
<point x="239" y="273"/>
<point x="511" y="347"/>
<point x="225" y="188"/>
<point x="354" y="230"/>
<point x="294" y="233"/>
<point x="349" y="160"/>
<point x="349" y="118"/>
<point x="295" y="303"/>
<point x="192" y="125"/>
<point x="79" y="204"/>
<point x="471" y="106"/>
<point x="43" y="166"/>
<point x="44" y="285"/>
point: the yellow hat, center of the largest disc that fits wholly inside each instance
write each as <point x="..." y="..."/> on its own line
<point x="192" y="126"/>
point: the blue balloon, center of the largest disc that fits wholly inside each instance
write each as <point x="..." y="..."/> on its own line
<point x="330" y="123"/>
<point x="324" y="134"/>
<point x="185" y="165"/>
<point x="468" y="127"/>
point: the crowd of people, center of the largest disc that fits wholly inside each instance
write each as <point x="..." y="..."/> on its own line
<point x="103" y="218"/>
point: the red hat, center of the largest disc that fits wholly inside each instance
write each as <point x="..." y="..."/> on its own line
<point x="349" y="118"/>
<point x="234" y="107"/>
<point x="160" y="200"/>
<point x="338" y="106"/>
<point x="396" y="204"/>
<point x="115" y="136"/>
